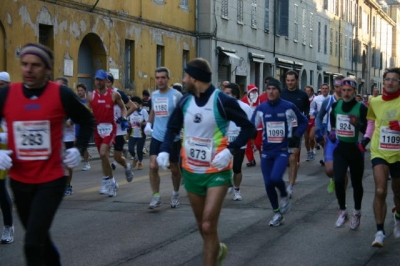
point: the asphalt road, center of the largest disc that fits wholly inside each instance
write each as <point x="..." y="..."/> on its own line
<point x="94" y="229"/>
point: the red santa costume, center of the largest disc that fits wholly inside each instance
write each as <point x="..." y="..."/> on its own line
<point x="253" y="100"/>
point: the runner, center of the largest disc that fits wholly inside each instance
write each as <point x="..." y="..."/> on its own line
<point x="348" y="119"/>
<point x="233" y="90"/>
<point x="146" y="105"/>
<point x="102" y="101"/>
<point x="385" y="152"/>
<point x="204" y="113"/>
<point x="82" y="91"/>
<point x="319" y="130"/>
<point x="309" y="135"/>
<point x="299" y="98"/>
<point x="164" y="101"/>
<point x="277" y="116"/>
<point x="36" y="164"/>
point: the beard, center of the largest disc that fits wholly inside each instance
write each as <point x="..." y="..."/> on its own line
<point x="348" y="99"/>
<point x="190" y="88"/>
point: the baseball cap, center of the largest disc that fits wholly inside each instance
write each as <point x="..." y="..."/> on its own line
<point x="101" y="74"/>
<point x="4" y="76"/>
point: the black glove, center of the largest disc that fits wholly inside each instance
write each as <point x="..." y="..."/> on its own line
<point x="364" y="142"/>
<point x="294" y="141"/>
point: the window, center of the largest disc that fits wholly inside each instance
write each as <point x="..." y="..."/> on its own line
<point x="367" y="24"/>
<point x="224" y="8"/>
<point x="326" y="39"/>
<point x="326" y="4"/>
<point x="373" y="63"/>
<point x="311" y="29"/>
<point x="319" y="37"/>
<point x="129" y="63"/>
<point x="373" y="26"/>
<point x="331" y="42"/>
<point x="254" y="14"/>
<point x="304" y="41"/>
<point x="336" y="43"/>
<point x="160" y="56"/>
<point x="283" y="15"/>
<point x="46" y="35"/>
<point x="360" y="13"/>
<point x="185" y="58"/>
<point x="337" y="7"/>
<point x="240" y="11"/>
<point x="266" y="22"/>
<point x="311" y="77"/>
<point x="296" y="22"/>
<point x="184" y="4"/>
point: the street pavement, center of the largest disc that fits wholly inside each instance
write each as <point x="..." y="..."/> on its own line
<point x="93" y="229"/>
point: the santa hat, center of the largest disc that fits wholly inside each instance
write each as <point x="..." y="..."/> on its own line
<point x="251" y="88"/>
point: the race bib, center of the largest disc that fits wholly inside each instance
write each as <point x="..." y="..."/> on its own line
<point x="343" y="127"/>
<point x="161" y="106"/>
<point x="32" y="139"/>
<point x="136" y="122"/>
<point x="276" y="132"/>
<point x="198" y="151"/>
<point x="104" y="129"/>
<point x="232" y="135"/>
<point x="389" y="139"/>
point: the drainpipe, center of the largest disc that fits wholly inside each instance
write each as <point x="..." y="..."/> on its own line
<point x="274" y="34"/>
<point x="196" y="14"/>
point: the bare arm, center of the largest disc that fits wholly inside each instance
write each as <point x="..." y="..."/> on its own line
<point x="118" y="100"/>
<point x="131" y="107"/>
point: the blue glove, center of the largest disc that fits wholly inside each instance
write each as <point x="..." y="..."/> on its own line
<point x="123" y="122"/>
<point x="332" y="136"/>
<point x="318" y="136"/>
<point x="315" y="113"/>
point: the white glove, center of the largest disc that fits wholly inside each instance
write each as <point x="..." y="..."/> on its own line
<point x="5" y="159"/>
<point x="147" y="129"/>
<point x="163" y="160"/>
<point x="222" y="159"/>
<point x="72" y="158"/>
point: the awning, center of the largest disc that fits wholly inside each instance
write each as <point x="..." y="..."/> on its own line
<point x="259" y="58"/>
<point x="231" y="55"/>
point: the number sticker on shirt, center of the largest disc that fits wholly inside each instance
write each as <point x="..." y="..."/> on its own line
<point x="104" y="129"/>
<point x="32" y="139"/>
<point x="389" y="139"/>
<point x="275" y="132"/>
<point x="343" y="127"/>
<point x="198" y="151"/>
<point x="161" y="106"/>
<point x="232" y="135"/>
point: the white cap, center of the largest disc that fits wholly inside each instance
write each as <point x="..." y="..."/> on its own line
<point x="4" y="76"/>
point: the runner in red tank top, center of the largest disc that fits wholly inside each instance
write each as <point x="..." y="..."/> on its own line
<point x="102" y="101"/>
<point x="35" y="134"/>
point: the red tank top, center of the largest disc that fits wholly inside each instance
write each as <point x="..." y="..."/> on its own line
<point x="103" y="107"/>
<point x="35" y="132"/>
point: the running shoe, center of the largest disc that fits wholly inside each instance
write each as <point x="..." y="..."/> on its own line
<point x="277" y="220"/>
<point x="86" y="166"/>
<point x="113" y="165"/>
<point x="322" y="162"/>
<point x="223" y="251"/>
<point x="355" y="220"/>
<point x="144" y="150"/>
<point x="379" y="241"/>
<point x="342" y="219"/>
<point x="155" y="202"/>
<point x="112" y="189"/>
<point x="289" y="191"/>
<point x="309" y="156"/>
<point x="7" y="236"/>
<point x="68" y="191"/>
<point x="251" y="164"/>
<point x="104" y="186"/>
<point x="134" y="162"/>
<point x="284" y="206"/>
<point x="331" y="186"/>
<point x="175" y="200"/>
<point x="236" y="195"/>
<point x="396" y="229"/>
<point x="128" y="173"/>
<point x="140" y="166"/>
<point x="314" y="151"/>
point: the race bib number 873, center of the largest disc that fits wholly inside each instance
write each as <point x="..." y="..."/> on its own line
<point x="32" y="139"/>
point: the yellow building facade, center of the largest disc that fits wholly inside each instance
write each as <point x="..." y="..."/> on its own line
<point x="127" y="38"/>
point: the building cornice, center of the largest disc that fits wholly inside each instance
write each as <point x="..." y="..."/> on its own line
<point x="378" y="8"/>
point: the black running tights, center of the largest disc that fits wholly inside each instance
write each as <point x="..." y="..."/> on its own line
<point x="5" y="203"/>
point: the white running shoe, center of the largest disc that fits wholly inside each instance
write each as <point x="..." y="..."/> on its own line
<point x="105" y="183"/>
<point x="285" y="205"/>
<point x="314" y="151"/>
<point x="175" y="200"/>
<point x="342" y="219"/>
<point x="396" y="229"/>
<point x="379" y="240"/>
<point x="128" y="172"/>
<point x="86" y="166"/>
<point x="289" y="191"/>
<point x="355" y="220"/>
<point x="112" y="189"/>
<point x="236" y="195"/>
<point x="7" y="237"/>
<point x="277" y="220"/>
<point x="155" y="202"/>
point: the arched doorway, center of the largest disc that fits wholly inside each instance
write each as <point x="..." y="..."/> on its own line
<point x="91" y="56"/>
<point x="303" y="79"/>
<point x="3" y="57"/>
